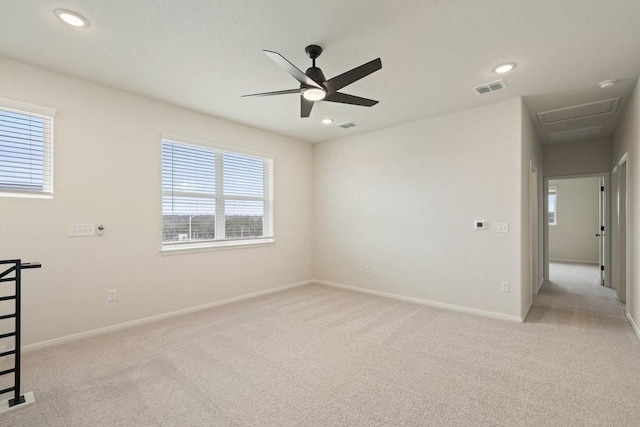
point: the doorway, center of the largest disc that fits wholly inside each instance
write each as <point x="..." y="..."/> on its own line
<point x="576" y="221"/>
<point x="576" y="244"/>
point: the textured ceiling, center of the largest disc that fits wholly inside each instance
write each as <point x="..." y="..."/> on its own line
<point x="204" y="54"/>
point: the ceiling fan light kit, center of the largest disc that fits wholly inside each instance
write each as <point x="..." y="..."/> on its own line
<point x="315" y="87"/>
<point x="314" y="94"/>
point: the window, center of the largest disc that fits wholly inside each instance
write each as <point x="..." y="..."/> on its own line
<point x="214" y="196"/>
<point x="26" y="149"/>
<point x="553" y="205"/>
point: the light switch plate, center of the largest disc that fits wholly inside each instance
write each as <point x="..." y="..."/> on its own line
<point x="78" y="230"/>
<point x="502" y="227"/>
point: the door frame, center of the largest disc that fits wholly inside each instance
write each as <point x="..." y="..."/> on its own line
<point x="616" y="232"/>
<point x="607" y="221"/>
<point x="536" y="214"/>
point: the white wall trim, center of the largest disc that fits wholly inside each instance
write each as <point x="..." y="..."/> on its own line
<point x="578" y="261"/>
<point x="634" y="326"/>
<point x="157" y="317"/>
<point x="421" y="301"/>
<point x="30" y="108"/>
<point x="623" y="159"/>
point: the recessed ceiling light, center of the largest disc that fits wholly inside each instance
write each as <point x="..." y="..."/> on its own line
<point x="314" y="94"/>
<point x="327" y="121"/>
<point x="607" y="83"/>
<point x="504" y="68"/>
<point x="72" y="18"/>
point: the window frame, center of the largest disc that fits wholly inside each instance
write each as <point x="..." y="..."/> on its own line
<point x="47" y="114"/>
<point x="553" y="190"/>
<point x="223" y="244"/>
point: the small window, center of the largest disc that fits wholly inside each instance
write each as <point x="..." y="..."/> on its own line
<point x="553" y="205"/>
<point x="214" y="196"/>
<point x="26" y="149"/>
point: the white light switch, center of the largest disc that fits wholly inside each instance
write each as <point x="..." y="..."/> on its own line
<point x="502" y="227"/>
<point x="77" y="230"/>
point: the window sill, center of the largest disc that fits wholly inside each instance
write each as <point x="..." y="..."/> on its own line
<point x="215" y="246"/>
<point x="18" y="195"/>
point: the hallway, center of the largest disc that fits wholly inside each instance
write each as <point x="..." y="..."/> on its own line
<point x="576" y="287"/>
<point x="582" y="334"/>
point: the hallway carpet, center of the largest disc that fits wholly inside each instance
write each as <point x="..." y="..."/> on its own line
<point x="576" y="287"/>
<point x="319" y="356"/>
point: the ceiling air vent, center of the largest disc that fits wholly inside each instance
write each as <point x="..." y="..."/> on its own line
<point x="347" y="125"/>
<point x="575" y="133"/>
<point x="490" y="87"/>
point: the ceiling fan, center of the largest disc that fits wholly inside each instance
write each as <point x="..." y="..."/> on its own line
<point x="315" y="87"/>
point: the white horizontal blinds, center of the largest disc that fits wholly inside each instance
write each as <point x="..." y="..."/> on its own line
<point x="553" y="191"/>
<point x="188" y="192"/>
<point x="244" y="196"/>
<point x="243" y="175"/>
<point x="26" y="152"/>
<point x="268" y="203"/>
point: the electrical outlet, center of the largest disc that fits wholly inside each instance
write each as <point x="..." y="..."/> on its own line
<point x="112" y="295"/>
<point x="366" y="269"/>
<point x="374" y="270"/>
<point x="504" y="286"/>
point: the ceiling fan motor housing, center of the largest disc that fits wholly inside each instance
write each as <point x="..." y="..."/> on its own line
<point x="315" y="74"/>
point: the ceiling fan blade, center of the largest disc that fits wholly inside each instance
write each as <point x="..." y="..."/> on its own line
<point x="292" y="69"/>
<point x="335" y="84"/>
<point x="305" y="106"/>
<point x="343" y="98"/>
<point x="278" y="92"/>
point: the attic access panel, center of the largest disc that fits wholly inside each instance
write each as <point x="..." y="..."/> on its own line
<point x="581" y="111"/>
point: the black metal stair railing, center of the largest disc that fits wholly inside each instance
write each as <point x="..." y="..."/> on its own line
<point x="16" y="269"/>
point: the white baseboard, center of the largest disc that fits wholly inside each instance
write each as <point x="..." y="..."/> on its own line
<point x="157" y="317"/>
<point x="430" y="303"/>
<point x="539" y="286"/>
<point x="576" y="261"/>
<point x="634" y="326"/>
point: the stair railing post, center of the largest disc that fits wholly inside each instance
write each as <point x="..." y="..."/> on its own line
<point x="17" y="398"/>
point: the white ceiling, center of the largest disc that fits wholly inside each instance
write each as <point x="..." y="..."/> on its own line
<point x="205" y="54"/>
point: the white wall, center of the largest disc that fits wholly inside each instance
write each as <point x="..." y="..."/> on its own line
<point x="573" y="237"/>
<point x="404" y="199"/>
<point x="107" y="170"/>
<point x="627" y="140"/>
<point x="577" y="158"/>
<point x="531" y="154"/>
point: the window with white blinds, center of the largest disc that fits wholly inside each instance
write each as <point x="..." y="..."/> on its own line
<point x="553" y="205"/>
<point x="213" y="196"/>
<point x="26" y="149"/>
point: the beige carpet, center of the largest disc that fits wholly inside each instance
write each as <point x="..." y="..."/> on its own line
<point x="318" y="356"/>
<point x="575" y="286"/>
